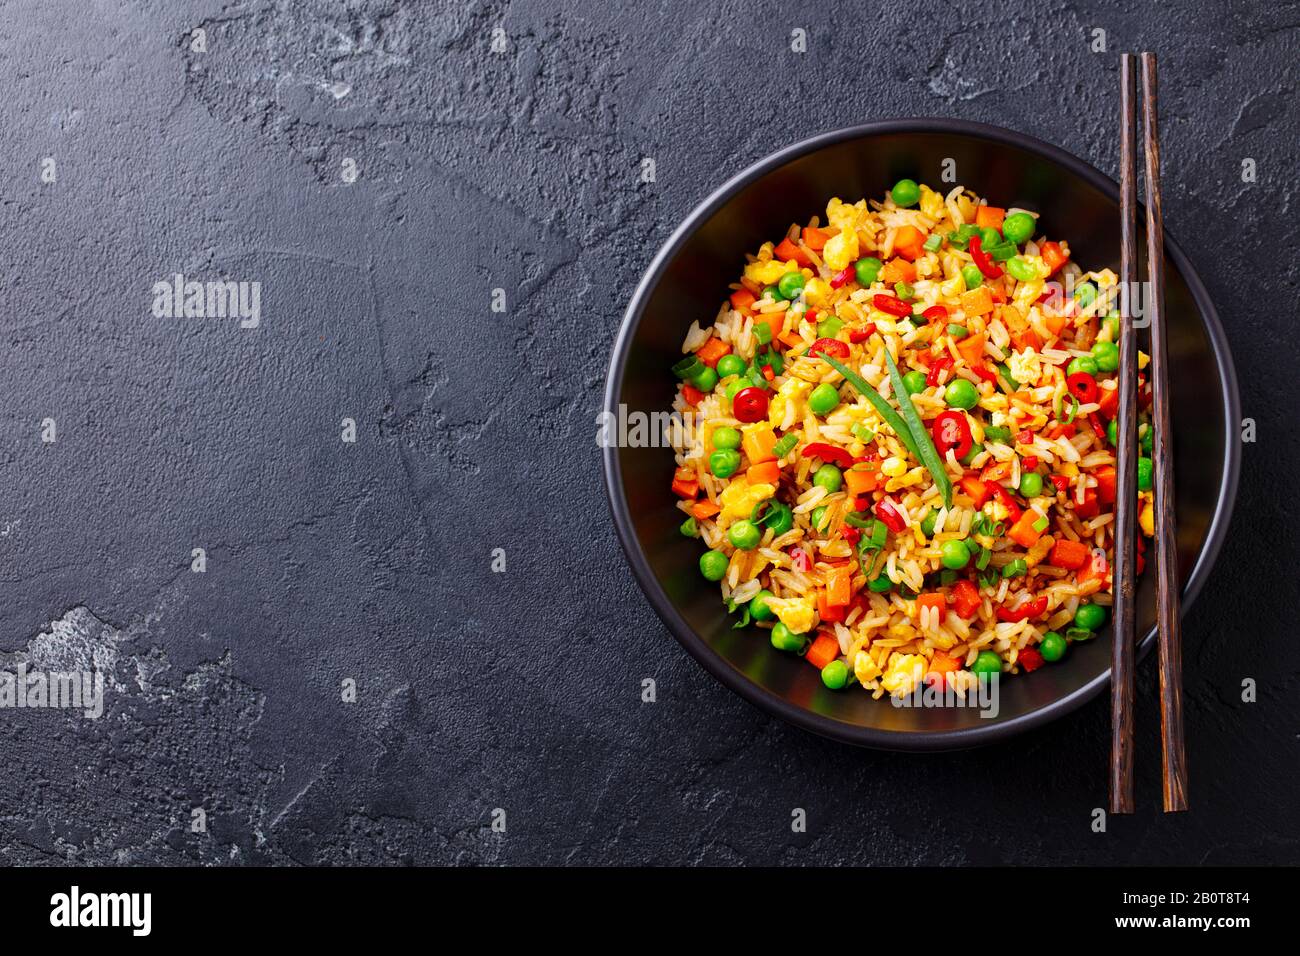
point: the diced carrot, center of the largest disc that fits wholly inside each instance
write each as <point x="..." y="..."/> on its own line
<point x="1053" y="255"/>
<point x="971" y="348"/>
<point x="764" y="473"/>
<point x="1023" y="532"/>
<point x="758" y="442"/>
<point x="998" y="471"/>
<point x="1056" y="323"/>
<point x="712" y="350"/>
<point x="838" y="592"/>
<point x="977" y="301"/>
<point x="978" y="490"/>
<point x="907" y="242"/>
<point x="989" y="217"/>
<point x="742" y="299"/>
<point x="1068" y="554"/>
<point x="1108" y="404"/>
<point x="898" y="270"/>
<point x="965" y="599"/>
<point x="859" y="482"/>
<point x="934" y="599"/>
<point x="685" y="484"/>
<point x="941" y="663"/>
<point x="828" y="613"/>
<point x="773" y="320"/>
<point x="692" y="394"/>
<point x="824" y="649"/>
<point x="1095" y="568"/>
<point x="787" y="250"/>
<point x="703" y="510"/>
<point x="1106" y="484"/>
<point x="1027" y="338"/>
<point x="791" y="338"/>
<point x="815" y="239"/>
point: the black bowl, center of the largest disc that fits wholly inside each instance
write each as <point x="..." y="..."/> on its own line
<point x="688" y="279"/>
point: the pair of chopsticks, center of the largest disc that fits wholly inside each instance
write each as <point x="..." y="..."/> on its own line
<point x="1174" y="762"/>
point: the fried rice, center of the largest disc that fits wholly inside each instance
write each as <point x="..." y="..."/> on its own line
<point x="883" y="553"/>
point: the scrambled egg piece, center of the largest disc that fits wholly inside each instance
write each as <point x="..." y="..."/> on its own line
<point x="931" y="202"/>
<point x="844" y="216"/>
<point x="766" y="273"/>
<point x="792" y="390"/>
<point x="739" y="498"/>
<point x="818" y="291"/>
<point x="841" y="250"/>
<point x="1147" y="517"/>
<point x="904" y="673"/>
<point x="798" y="614"/>
<point x="865" y="667"/>
<point x="1143" y="359"/>
<point x="1025" y="366"/>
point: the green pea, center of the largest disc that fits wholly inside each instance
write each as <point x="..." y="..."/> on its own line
<point x="724" y="462"/>
<point x="1031" y="484"/>
<point x="1106" y="355"/>
<point x="1144" y="473"/>
<point x="735" y="386"/>
<point x="914" y="382"/>
<point x="1090" y="616"/>
<point x="835" y="675"/>
<point x="758" y="609"/>
<point x="726" y="437"/>
<point x="955" y="554"/>
<point x="975" y="449"/>
<point x="1111" y="322"/>
<point x="689" y="529"/>
<point x="867" y="270"/>
<point x="1021" y="270"/>
<point x="972" y="276"/>
<point x="905" y="193"/>
<point x="828" y="477"/>
<point x="784" y="639"/>
<point x="706" y="380"/>
<point x="744" y="534"/>
<point x="1085" y="294"/>
<point x="1018" y="227"/>
<point x="1112" y="432"/>
<point x="1148" y="437"/>
<point x="819" y="518"/>
<point x="961" y="394"/>
<point x="1085" y="363"/>
<point x="1052" y="646"/>
<point x="731" y="364"/>
<point x="791" y="284"/>
<point x="823" y="399"/>
<point x="774" y="293"/>
<point x="713" y="565"/>
<point x="928" y="523"/>
<point x="987" y="662"/>
<point x="829" y="327"/>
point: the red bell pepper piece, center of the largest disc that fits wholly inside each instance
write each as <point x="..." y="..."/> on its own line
<point x="1029" y="609"/>
<point x="888" y="512"/>
<point x="892" y="305"/>
<point x="1030" y="659"/>
<point x="842" y="277"/>
<point x="862" y="334"/>
<point x="800" y="561"/>
<point x="1061" y="482"/>
<point x="938" y="368"/>
<point x="1089" y="508"/>
<point x="987" y="266"/>
<point x="831" y="453"/>
<point x="965" y="599"/>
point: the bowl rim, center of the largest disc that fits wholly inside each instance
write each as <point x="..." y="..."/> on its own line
<point x="700" y="649"/>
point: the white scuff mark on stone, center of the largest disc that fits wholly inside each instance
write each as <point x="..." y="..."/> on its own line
<point x="10" y="527"/>
<point x="337" y="89"/>
<point x="950" y="84"/>
<point x="78" y="641"/>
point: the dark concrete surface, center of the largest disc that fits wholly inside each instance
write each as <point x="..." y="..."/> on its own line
<point x="372" y="560"/>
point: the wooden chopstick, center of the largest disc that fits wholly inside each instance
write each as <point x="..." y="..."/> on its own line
<point x="1168" y="597"/>
<point x="1122" y="647"/>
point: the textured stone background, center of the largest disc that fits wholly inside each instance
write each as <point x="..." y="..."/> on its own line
<point x="371" y="561"/>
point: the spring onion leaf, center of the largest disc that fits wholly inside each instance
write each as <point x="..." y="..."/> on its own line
<point x="926" y="451"/>
<point x="891" y="417"/>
